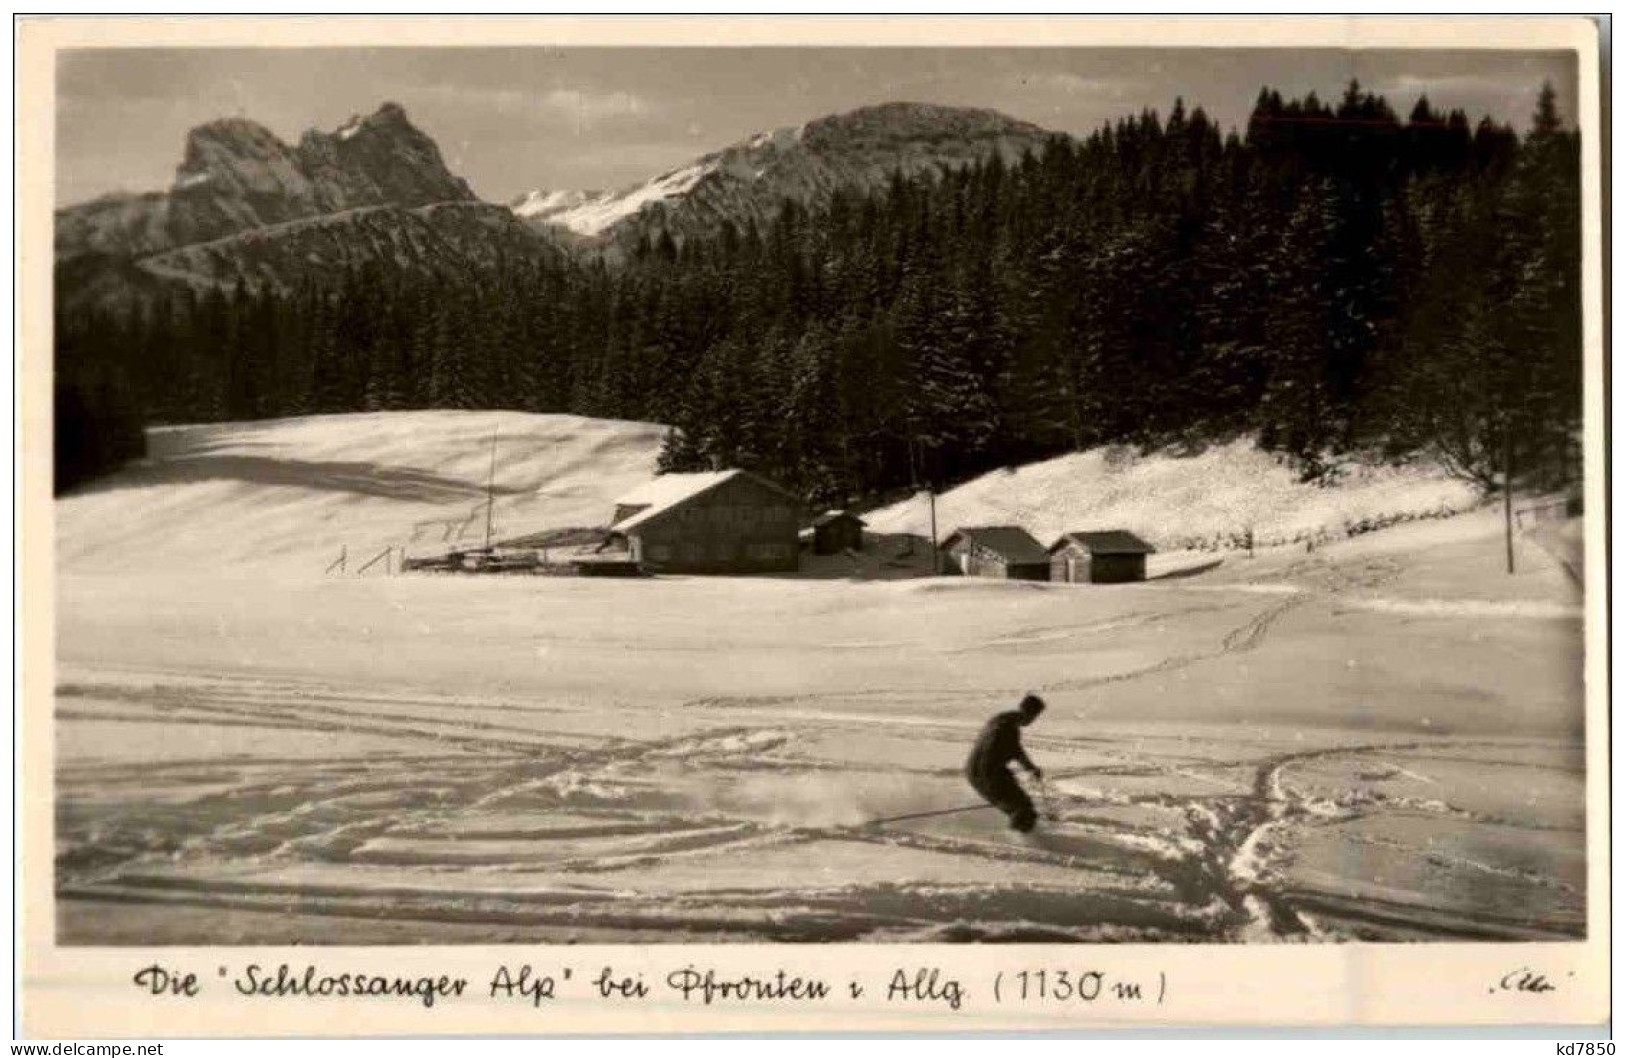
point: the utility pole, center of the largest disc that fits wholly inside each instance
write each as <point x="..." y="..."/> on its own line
<point x="1507" y="499"/>
<point x="490" y="493"/>
<point x="936" y="555"/>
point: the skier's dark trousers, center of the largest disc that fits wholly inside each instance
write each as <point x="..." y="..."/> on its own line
<point x="988" y="768"/>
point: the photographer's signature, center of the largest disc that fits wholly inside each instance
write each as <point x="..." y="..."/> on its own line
<point x="1523" y="979"/>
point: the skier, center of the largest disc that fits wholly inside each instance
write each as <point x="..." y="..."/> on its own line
<point x="988" y="768"/>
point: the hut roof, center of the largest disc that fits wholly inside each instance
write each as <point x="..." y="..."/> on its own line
<point x="834" y="516"/>
<point x="1105" y="542"/>
<point x="571" y="536"/>
<point x="1010" y="542"/>
<point x="670" y="490"/>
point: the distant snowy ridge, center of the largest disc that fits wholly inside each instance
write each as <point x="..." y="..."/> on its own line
<point x="543" y="204"/>
<point x="591" y="213"/>
<point x="747" y="182"/>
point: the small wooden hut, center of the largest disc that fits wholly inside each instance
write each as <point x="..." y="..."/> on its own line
<point x="1111" y="556"/>
<point x="1004" y="551"/>
<point x="837" y="531"/>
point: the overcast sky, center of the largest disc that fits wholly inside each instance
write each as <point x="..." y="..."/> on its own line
<point x="513" y="119"/>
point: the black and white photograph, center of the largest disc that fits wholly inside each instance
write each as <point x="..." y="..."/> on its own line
<point x="1067" y="495"/>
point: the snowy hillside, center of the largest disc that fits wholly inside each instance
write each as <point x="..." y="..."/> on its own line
<point x="1176" y="502"/>
<point x="291" y="492"/>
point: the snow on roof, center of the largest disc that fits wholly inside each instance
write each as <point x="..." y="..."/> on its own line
<point x="831" y="516"/>
<point x="1010" y="542"/>
<point x="1107" y="542"/>
<point x="668" y="490"/>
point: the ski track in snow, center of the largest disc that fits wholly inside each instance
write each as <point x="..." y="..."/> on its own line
<point x="204" y="830"/>
<point x="533" y="819"/>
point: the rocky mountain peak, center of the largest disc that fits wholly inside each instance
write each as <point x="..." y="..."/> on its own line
<point x="914" y="120"/>
<point x="236" y="174"/>
<point x="234" y="157"/>
<point x="236" y="135"/>
<point x="919" y="131"/>
<point x="379" y="158"/>
<point x="389" y="113"/>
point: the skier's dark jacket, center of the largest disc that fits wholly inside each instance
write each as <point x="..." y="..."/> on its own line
<point x="998" y="745"/>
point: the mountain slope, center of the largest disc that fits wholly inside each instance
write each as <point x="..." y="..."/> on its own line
<point x="746" y="182"/>
<point x="444" y="237"/>
<point x="246" y="206"/>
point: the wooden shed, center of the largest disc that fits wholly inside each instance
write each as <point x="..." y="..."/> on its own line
<point x="1004" y="551"/>
<point x="724" y="521"/>
<point x="1110" y="556"/>
<point x="837" y="531"/>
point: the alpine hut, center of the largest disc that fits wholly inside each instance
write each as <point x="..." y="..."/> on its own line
<point x="721" y="521"/>
<point x="1003" y="551"/>
<point x="837" y="531"/>
<point x="1110" y="556"/>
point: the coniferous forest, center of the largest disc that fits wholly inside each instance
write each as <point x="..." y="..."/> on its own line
<point x="1338" y="279"/>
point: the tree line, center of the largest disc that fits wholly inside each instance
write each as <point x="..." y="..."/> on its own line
<point x="1338" y="280"/>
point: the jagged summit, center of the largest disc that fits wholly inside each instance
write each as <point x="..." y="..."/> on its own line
<point x="237" y="156"/>
<point x="246" y="207"/>
<point x="236" y="174"/>
<point x="746" y="181"/>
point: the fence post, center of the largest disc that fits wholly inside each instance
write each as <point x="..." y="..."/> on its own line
<point x="373" y="561"/>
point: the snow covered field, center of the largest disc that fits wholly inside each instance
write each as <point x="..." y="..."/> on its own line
<point x="1380" y="739"/>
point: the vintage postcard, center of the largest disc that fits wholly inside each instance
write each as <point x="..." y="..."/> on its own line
<point x="898" y="524"/>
